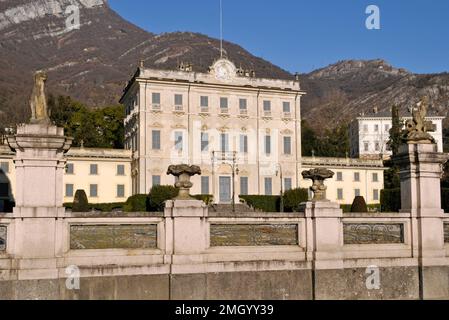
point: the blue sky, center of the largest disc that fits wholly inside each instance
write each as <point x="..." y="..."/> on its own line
<point x="301" y="35"/>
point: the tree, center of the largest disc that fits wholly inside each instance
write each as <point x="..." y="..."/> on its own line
<point x="334" y="142"/>
<point x="99" y="128"/>
<point x="395" y="139"/>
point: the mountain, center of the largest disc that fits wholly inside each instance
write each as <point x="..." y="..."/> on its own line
<point x="93" y="63"/>
<point x="342" y="91"/>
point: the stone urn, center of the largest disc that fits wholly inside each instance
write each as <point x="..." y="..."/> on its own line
<point x="184" y="172"/>
<point x="318" y="176"/>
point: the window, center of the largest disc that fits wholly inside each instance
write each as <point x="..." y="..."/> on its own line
<point x="120" y="191"/>
<point x="375" y="195"/>
<point x="340" y="194"/>
<point x="205" y="185"/>
<point x="243" y="143"/>
<point x="357" y="192"/>
<point x="94" y="169"/>
<point x="375" y="177"/>
<point x="366" y="146"/>
<point x="365" y="128"/>
<point x="178" y="141"/>
<point x="267" y="106"/>
<point x="156" y="98"/>
<point x="244" y="186"/>
<point x="267" y="145"/>
<point x="93" y="190"/>
<point x="243" y="105"/>
<point x="69" y="190"/>
<point x="377" y="146"/>
<point x="69" y="168"/>
<point x="204" y="142"/>
<point x="288" y="184"/>
<point x="387" y="128"/>
<point x="224" y="105"/>
<point x="156" y="181"/>
<point x="268" y="186"/>
<point x="288" y="145"/>
<point x="376" y="128"/>
<point x="339" y="176"/>
<point x="120" y="170"/>
<point x="178" y="99"/>
<point x="156" y="140"/>
<point x="204" y="102"/>
<point x="357" y="176"/>
<point x="224" y="142"/>
<point x="286" y="107"/>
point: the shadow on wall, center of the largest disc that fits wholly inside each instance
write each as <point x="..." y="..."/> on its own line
<point x="7" y="201"/>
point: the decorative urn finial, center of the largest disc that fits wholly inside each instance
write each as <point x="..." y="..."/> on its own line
<point x="318" y="176"/>
<point x="184" y="172"/>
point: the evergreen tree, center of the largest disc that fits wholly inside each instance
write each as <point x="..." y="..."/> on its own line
<point x="395" y="139"/>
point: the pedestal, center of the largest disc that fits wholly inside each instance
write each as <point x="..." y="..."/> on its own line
<point x="40" y="168"/>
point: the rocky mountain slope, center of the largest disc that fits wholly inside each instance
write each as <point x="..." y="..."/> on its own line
<point x="340" y="92"/>
<point x="92" y="64"/>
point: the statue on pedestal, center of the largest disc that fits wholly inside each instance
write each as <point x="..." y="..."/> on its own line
<point x="38" y="100"/>
<point x="417" y="130"/>
<point x="184" y="172"/>
<point x="318" y="176"/>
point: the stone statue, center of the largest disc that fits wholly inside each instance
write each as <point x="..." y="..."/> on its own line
<point x="38" y="100"/>
<point x="417" y="130"/>
<point x="184" y="172"/>
<point x="318" y="176"/>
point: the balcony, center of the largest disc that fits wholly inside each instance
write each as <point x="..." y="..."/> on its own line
<point x="204" y="109"/>
<point x="267" y="114"/>
<point x="243" y="112"/>
<point x="224" y="110"/>
<point x="156" y="107"/>
<point x="178" y="108"/>
<point x="287" y="115"/>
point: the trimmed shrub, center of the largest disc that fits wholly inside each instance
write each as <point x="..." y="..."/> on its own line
<point x="80" y="202"/>
<point x="103" y="207"/>
<point x="359" y="205"/>
<point x="206" y="198"/>
<point x="136" y="203"/>
<point x="390" y="200"/>
<point x="158" y="195"/>
<point x="445" y="199"/>
<point x="293" y="198"/>
<point x="263" y="203"/>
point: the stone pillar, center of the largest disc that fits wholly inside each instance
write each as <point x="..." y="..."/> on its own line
<point x="40" y="167"/>
<point x="420" y="171"/>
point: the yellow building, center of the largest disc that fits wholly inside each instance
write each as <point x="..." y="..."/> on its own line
<point x="353" y="177"/>
<point x="104" y="174"/>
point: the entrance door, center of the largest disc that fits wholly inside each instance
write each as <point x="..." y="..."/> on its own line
<point x="225" y="189"/>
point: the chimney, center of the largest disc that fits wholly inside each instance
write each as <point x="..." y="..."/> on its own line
<point x="375" y="110"/>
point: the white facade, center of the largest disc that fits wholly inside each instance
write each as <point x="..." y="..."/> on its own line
<point x="178" y="117"/>
<point x="369" y="135"/>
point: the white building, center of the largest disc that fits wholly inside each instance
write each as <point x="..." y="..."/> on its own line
<point x="369" y="134"/>
<point x="183" y="116"/>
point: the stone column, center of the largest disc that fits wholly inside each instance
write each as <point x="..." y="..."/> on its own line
<point x="40" y="167"/>
<point x="420" y="172"/>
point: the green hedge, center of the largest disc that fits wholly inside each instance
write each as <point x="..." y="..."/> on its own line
<point x="263" y="203"/>
<point x="371" y="208"/>
<point x="103" y="207"/>
<point x="136" y="203"/>
<point x="293" y="198"/>
<point x="158" y="195"/>
<point x="445" y="199"/>
<point x="206" y="198"/>
<point x="390" y="200"/>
